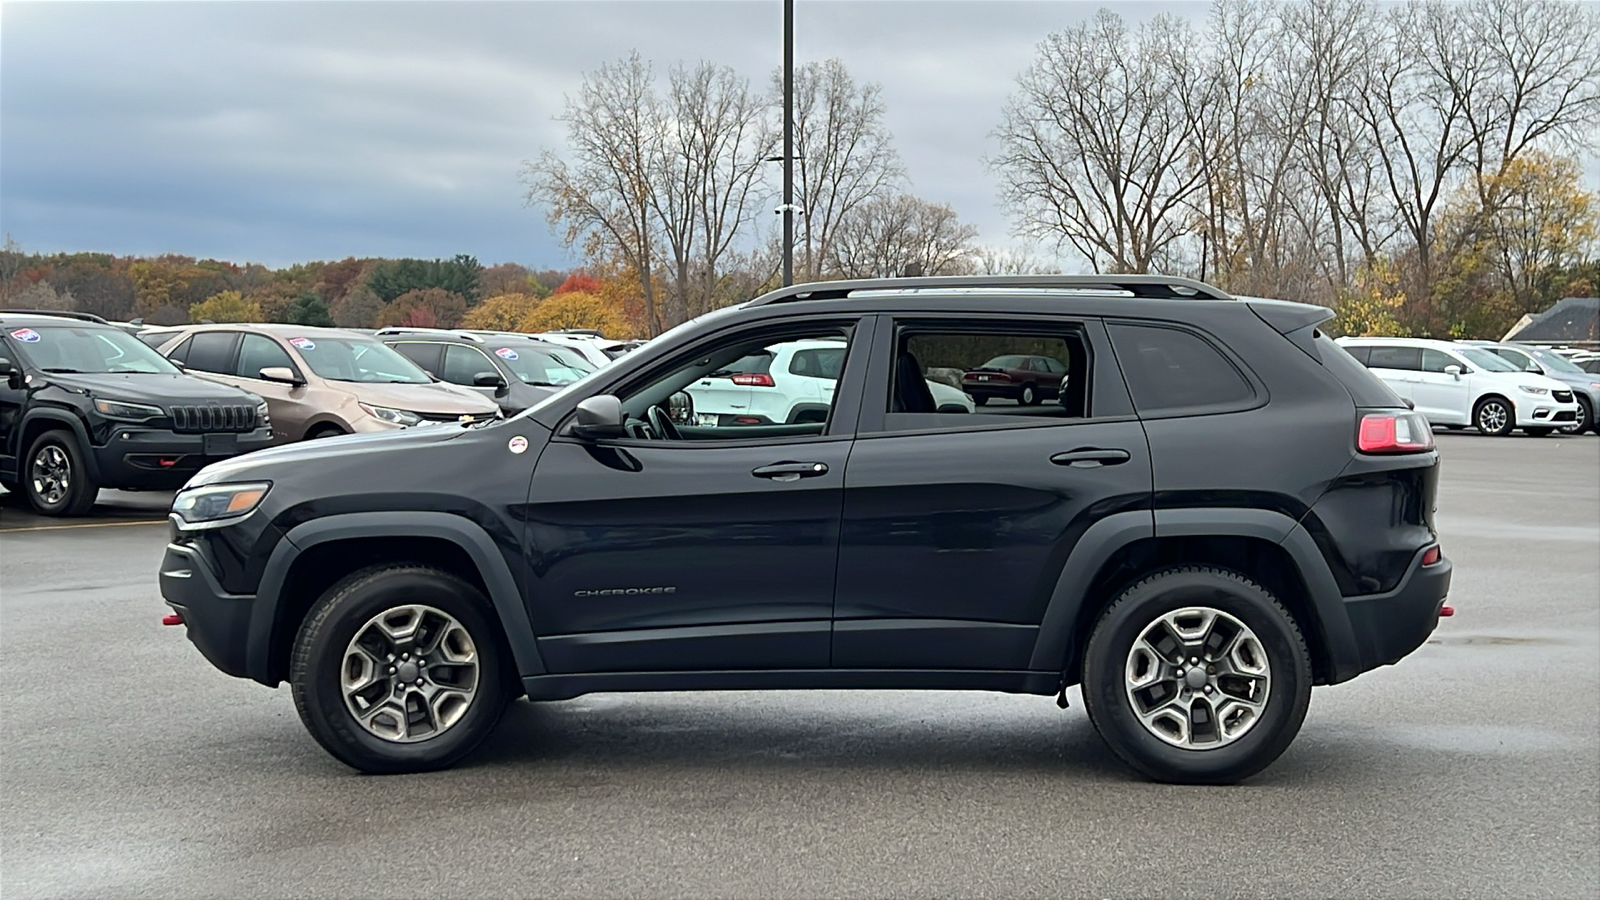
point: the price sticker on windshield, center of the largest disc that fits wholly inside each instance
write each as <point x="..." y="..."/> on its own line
<point x="302" y="343"/>
<point x="506" y="353"/>
<point x="26" y="335"/>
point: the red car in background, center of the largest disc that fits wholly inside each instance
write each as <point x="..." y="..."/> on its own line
<point x="1025" y="379"/>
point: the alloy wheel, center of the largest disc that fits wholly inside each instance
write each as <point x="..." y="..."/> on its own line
<point x="52" y="474"/>
<point x="1492" y="418"/>
<point x="1197" y="678"/>
<point x="409" y="674"/>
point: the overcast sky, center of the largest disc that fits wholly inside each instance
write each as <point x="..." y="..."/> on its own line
<point x="280" y="132"/>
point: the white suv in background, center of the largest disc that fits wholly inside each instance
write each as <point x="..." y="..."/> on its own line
<point x="787" y="384"/>
<point x="1455" y="385"/>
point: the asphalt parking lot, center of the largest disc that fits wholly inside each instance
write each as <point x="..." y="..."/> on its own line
<point x="132" y="768"/>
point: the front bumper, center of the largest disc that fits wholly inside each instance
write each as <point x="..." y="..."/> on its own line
<point x="1391" y="625"/>
<point x="218" y="623"/>
<point x="1538" y="412"/>
<point x="155" y="459"/>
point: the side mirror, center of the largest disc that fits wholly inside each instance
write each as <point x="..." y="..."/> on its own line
<point x="12" y="376"/>
<point x="597" y="418"/>
<point x="281" y="374"/>
<point x="680" y="408"/>
<point x="1453" y="371"/>
<point x="488" y="379"/>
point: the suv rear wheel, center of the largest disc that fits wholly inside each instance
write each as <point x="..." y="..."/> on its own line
<point x="399" y="669"/>
<point x="55" y="478"/>
<point x="1197" y="676"/>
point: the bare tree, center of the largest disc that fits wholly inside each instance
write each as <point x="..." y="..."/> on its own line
<point x="900" y="235"/>
<point x="603" y="199"/>
<point x="845" y="155"/>
<point x="1098" y="142"/>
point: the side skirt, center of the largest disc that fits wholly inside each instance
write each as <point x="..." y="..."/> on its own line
<point x="563" y="687"/>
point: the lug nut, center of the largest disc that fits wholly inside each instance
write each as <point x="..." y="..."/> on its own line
<point x="1180" y="673"/>
<point x="1193" y="661"/>
<point x="1208" y="688"/>
<point x="391" y="670"/>
<point x="419" y="682"/>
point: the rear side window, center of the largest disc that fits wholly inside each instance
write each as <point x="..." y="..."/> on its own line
<point x="1170" y="371"/>
<point x="820" y="363"/>
<point x="212" y="351"/>
<point x="1405" y="359"/>
<point x="1358" y="353"/>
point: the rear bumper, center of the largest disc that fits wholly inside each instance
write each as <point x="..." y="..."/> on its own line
<point x="1389" y="626"/>
<point x="162" y="460"/>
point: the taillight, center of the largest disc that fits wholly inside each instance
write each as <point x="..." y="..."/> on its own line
<point x="1394" y="432"/>
<point x="749" y="379"/>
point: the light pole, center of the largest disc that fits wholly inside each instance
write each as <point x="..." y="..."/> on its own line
<point x="788" y="142"/>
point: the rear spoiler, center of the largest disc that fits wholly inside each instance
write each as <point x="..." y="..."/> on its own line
<point x="1296" y="321"/>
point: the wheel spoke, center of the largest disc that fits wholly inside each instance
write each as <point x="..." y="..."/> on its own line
<point x="410" y="673"/>
<point x="1197" y="678"/>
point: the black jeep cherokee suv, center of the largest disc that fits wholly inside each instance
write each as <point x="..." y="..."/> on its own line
<point x="1223" y="509"/>
<point x="86" y="405"/>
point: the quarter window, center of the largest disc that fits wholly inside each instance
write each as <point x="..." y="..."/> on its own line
<point x="1169" y="370"/>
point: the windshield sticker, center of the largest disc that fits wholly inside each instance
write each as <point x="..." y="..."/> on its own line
<point x="26" y="335"/>
<point x="302" y="343"/>
<point x="506" y="353"/>
<point x="518" y="444"/>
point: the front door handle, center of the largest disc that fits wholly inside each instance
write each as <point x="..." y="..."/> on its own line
<point x="791" y="471"/>
<point x="1088" y="457"/>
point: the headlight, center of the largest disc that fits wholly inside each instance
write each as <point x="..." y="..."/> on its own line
<point x="137" y="412"/>
<point x="1536" y="391"/>
<point x="263" y="415"/>
<point x="392" y="416"/>
<point x="216" y="505"/>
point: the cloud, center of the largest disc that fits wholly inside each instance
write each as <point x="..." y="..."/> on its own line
<point x="282" y="132"/>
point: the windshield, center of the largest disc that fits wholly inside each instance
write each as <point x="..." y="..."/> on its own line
<point x="67" y="348"/>
<point x="546" y="366"/>
<point x="1486" y="361"/>
<point x="1556" y="362"/>
<point x="357" y="359"/>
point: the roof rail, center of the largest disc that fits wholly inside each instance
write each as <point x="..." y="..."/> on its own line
<point x="62" y="313"/>
<point x="1154" y="286"/>
<point x="417" y="329"/>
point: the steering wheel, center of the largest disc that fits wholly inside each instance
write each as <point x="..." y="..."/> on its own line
<point x="662" y="423"/>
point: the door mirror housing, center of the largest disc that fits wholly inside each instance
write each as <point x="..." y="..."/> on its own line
<point x="282" y="375"/>
<point x="488" y="379"/>
<point x="597" y="418"/>
<point x="8" y="369"/>
<point x="1453" y="371"/>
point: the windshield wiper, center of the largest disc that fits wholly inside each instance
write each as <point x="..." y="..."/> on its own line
<point x="63" y="370"/>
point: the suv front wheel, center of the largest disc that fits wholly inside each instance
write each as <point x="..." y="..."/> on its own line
<point x="55" y="478"/>
<point x="399" y="669"/>
<point x="1197" y="676"/>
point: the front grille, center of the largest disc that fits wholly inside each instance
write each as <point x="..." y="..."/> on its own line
<point x="1562" y="396"/>
<point x="212" y="419"/>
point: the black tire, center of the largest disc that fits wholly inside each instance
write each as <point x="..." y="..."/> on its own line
<point x="348" y="607"/>
<point x="80" y="493"/>
<point x="980" y="399"/>
<point x="324" y="431"/>
<point x="1539" y="432"/>
<point x="1585" y="419"/>
<point x="1484" y="410"/>
<point x="1105" y="692"/>
<point x="1029" y="395"/>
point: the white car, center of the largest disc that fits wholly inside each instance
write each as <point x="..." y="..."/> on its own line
<point x="1456" y="385"/>
<point x="787" y="384"/>
<point x="589" y="344"/>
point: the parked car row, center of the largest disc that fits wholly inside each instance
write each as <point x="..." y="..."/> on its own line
<point x="1493" y="387"/>
<point x="86" y="404"/>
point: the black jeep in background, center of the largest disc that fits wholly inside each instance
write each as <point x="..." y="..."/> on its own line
<point x="85" y="405"/>
<point x="1223" y="509"/>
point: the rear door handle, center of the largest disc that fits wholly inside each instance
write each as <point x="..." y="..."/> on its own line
<point x="1088" y="457"/>
<point x="791" y="471"/>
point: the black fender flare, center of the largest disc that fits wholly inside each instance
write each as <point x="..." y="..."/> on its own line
<point x="62" y="417"/>
<point x="464" y="533"/>
<point x="1112" y="533"/>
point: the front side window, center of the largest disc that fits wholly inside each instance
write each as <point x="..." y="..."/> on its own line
<point x="257" y="352"/>
<point x="211" y="351"/>
<point x="752" y="387"/>
<point x="1169" y="370"/>
<point x="1487" y="361"/>
<point x="1555" y="362"/>
<point x="955" y="375"/>
<point x="1437" y="360"/>
<point x="68" y="348"/>
<point x="357" y="360"/>
<point x="1516" y="358"/>
<point x="462" y="364"/>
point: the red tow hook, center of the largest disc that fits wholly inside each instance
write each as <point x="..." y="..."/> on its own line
<point x="1446" y="611"/>
<point x="172" y="619"/>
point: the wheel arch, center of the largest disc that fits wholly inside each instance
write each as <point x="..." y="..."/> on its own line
<point x="314" y="555"/>
<point x="1265" y="546"/>
<point x="38" y="421"/>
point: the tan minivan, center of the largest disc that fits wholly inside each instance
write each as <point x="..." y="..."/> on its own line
<point x="319" y="382"/>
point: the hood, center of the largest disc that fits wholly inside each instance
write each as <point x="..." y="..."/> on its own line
<point x="158" y="390"/>
<point x="439" y="398"/>
<point x="363" y="451"/>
